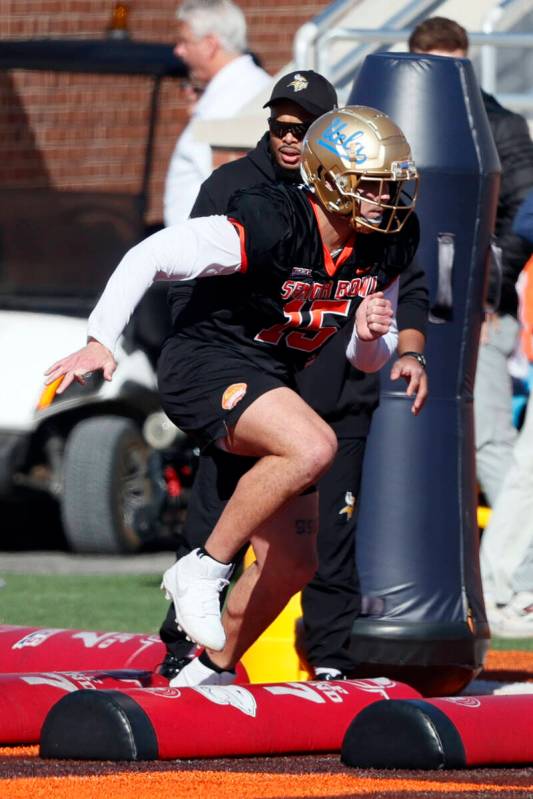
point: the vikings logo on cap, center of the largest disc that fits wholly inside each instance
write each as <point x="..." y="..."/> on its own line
<point x="298" y="83"/>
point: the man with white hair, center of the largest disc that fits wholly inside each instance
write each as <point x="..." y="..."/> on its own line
<point x="212" y="42"/>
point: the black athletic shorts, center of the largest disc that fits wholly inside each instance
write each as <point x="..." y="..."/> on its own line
<point x="205" y="387"/>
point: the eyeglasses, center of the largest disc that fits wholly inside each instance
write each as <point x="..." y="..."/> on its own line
<point x="281" y="129"/>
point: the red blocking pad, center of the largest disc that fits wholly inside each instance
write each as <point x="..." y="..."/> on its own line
<point x="453" y="732"/>
<point x="493" y="729"/>
<point x="209" y="721"/>
<point x="25" y="699"/>
<point x="24" y="649"/>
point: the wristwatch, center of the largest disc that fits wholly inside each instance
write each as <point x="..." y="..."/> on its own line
<point x="417" y="356"/>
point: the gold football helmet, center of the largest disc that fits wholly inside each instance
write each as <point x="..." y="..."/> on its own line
<point x="357" y="155"/>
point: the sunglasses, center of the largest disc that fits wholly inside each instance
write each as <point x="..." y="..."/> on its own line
<point x="281" y="129"/>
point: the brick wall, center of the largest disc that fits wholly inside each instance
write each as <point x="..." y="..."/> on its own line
<point x="82" y="132"/>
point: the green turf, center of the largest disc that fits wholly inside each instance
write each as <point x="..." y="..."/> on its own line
<point x="112" y="602"/>
<point x="526" y="644"/>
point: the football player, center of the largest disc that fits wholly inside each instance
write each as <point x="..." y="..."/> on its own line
<point x="282" y="273"/>
<point x="343" y="396"/>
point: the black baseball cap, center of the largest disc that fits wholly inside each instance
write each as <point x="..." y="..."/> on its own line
<point x="308" y="89"/>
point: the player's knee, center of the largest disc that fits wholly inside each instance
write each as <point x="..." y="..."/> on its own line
<point x="317" y="454"/>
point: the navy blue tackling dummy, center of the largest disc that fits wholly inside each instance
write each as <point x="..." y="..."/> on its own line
<point x="289" y="268"/>
<point x="418" y="553"/>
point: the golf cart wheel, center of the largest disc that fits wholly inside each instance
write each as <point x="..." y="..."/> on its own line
<point x="105" y="482"/>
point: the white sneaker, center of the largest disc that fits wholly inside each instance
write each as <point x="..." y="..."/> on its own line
<point x="194" y="584"/>
<point x="515" y="620"/>
<point x="196" y="673"/>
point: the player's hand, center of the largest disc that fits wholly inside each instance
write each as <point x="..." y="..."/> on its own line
<point x="374" y="317"/>
<point x="93" y="357"/>
<point x="416" y="378"/>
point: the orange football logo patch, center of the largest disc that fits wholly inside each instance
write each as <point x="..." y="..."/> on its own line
<point x="233" y="394"/>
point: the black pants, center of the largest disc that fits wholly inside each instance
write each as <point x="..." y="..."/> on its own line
<point x="332" y="600"/>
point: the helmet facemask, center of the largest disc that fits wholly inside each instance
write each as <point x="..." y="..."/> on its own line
<point x="393" y="195"/>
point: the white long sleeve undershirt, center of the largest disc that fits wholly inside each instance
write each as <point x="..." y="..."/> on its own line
<point x="198" y="248"/>
<point x="369" y="356"/>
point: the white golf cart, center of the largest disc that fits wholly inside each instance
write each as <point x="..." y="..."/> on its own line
<point x="87" y="448"/>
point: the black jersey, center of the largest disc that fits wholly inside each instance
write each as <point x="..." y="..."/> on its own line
<point x="290" y="297"/>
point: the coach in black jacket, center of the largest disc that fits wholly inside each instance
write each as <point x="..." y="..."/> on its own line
<point x="344" y="396"/>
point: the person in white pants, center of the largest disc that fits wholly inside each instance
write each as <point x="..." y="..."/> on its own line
<point x="507" y="543"/>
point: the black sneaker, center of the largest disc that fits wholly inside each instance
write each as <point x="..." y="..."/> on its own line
<point x="172" y="665"/>
<point x="328" y="673"/>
